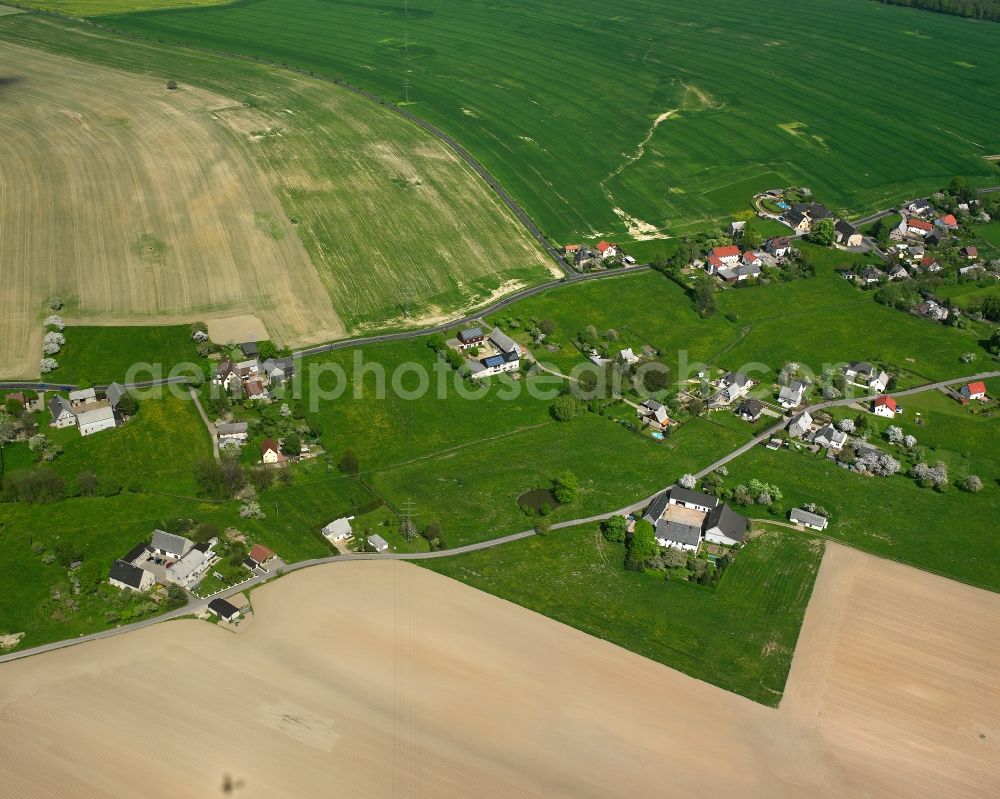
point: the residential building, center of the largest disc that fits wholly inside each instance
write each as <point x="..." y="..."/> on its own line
<point x="870" y="275"/>
<point x="898" y="272"/>
<point x="250" y="349"/>
<point x="169" y="546"/>
<point x="932" y="310"/>
<point x="693" y="500"/>
<point x="606" y="250"/>
<point x="847" y="234"/>
<point x="859" y="372"/>
<point x="192" y="567"/>
<point x="779" y="247"/>
<point x="791" y="396"/>
<point x="278" y="370"/>
<point x="920" y="207"/>
<point x="232" y="432"/>
<point x="732" y="387"/>
<point x="800" y="425"/>
<point x="378" y="543"/>
<point x="472" y="337"/>
<point x="125" y="576"/>
<point x="255" y="389"/>
<point x="495" y="365"/>
<point x="223" y="609"/>
<point x="947" y="222"/>
<point x="137" y="554"/>
<point x="973" y="391"/>
<point x="878" y="382"/>
<point x="725" y="526"/>
<point x="750" y="410"/>
<point x="806" y="519"/>
<point x="62" y="412"/>
<point x="884" y="406"/>
<point x="739" y="272"/>
<point x="628" y="357"/>
<point x="729" y="256"/>
<point x="261" y="555"/>
<point x="270" y="452"/>
<point x="339" y="529"/>
<point x="654" y="412"/>
<point x="970" y="252"/>
<point x="919" y="227"/>
<point x="91" y="419"/>
<point x="504" y="343"/>
<point x="830" y="437"/>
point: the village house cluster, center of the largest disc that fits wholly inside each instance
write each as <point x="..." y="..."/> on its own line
<point x="170" y="559"/>
<point x="586" y="258"/>
<point x="86" y="411"/>
<point x="495" y="354"/>
<point x="253" y="378"/>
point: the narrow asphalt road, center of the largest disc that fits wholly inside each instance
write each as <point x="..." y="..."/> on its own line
<point x="196" y="605"/>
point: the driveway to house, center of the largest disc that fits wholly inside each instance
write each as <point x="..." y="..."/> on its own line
<point x="196" y="605"/>
<point x="212" y="431"/>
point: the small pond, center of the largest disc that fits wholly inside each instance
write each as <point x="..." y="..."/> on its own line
<point x="537" y="497"/>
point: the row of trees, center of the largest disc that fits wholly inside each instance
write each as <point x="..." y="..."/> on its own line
<point x="974" y="9"/>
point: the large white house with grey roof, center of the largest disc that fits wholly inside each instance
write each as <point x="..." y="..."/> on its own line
<point x="683" y="518"/>
<point x="169" y="546"/>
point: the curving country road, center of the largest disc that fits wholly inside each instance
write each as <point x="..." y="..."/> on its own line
<point x="196" y="604"/>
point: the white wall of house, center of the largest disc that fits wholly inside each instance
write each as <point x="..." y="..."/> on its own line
<point x="884" y="410"/>
<point x="663" y="542"/>
<point x="94" y="427"/>
<point x="718" y="537"/>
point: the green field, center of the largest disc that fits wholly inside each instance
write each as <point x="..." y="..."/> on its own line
<point x="88" y="8"/>
<point x="739" y="636"/>
<point x="559" y="105"/>
<point x="103" y="354"/>
<point x="951" y="533"/>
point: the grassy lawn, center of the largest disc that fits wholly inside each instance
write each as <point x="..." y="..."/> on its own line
<point x="950" y="533"/>
<point x="103" y="354"/>
<point x="739" y="636"/>
<point x="472" y="492"/>
<point x="573" y="137"/>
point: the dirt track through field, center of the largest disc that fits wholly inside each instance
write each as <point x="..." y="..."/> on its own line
<point x="130" y="202"/>
<point x="381" y="679"/>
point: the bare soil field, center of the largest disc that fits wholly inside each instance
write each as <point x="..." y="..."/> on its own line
<point x="131" y="203"/>
<point x="237" y="329"/>
<point x="381" y="679"/>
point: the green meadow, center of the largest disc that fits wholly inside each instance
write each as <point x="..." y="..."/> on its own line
<point x="103" y="354"/>
<point x="561" y="102"/>
<point x="739" y="635"/>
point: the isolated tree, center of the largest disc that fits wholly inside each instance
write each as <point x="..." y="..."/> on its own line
<point x="543" y="526"/>
<point x="250" y="509"/>
<point x="704" y="295"/>
<point x="565" y="407"/>
<point x="291" y="444"/>
<point x="823" y="232"/>
<point x="284" y="410"/>
<point x="642" y="546"/>
<point x="56" y="303"/>
<point x="846" y="425"/>
<point x="935" y="476"/>
<point x="614" y="528"/>
<point x="910" y="442"/>
<point x="128" y="405"/>
<point x="172" y="85"/>
<point x="894" y="434"/>
<point x="566" y="487"/>
<point x="48" y="365"/>
<point x="349" y="463"/>
<point x="547" y="326"/>
<point x="991" y="308"/>
<point x="687" y="481"/>
<point x="973" y="484"/>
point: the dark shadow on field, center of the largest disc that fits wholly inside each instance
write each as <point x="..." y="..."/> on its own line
<point x="9" y="80"/>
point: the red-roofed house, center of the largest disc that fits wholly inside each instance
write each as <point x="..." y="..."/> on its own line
<point x="884" y="406"/>
<point x="929" y="262"/>
<point x="260" y="554"/>
<point x="713" y="265"/>
<point x="751" y="258"/>
<point x="270" y="452"/>
<point x="606" y="250"/>
<point x="970" y="252"/>
<point x="973" y="391"/>
<point x="573" y="248"/>
<point x="728" y="255"/>
<point x="919" y="226"/>
<point x="779" y="247"/>
<point x="948" y="221"/>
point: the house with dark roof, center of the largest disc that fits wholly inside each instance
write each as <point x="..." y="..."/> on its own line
<point x="725" y="526"/>
<point x="732" y="386"/>
<point x="114" y="393"/>
<point x="695" y="500"/>
<point x="830" y="437"/>
<point x="125" y="576"/>
<point x="250" y="349"/>
<point x="503" y="342"/>
<point x="472" y="337"/>
<point x="750" y="410"/>
<point x="870" y="275"/>
<point x="654" y="412"/>
<point x="224" y="609"/>
<point x="137" y="554"/>
<point x="232" y="432"/>
<point x="791" y="396"/>
<point x="847" y="234"/>
<point x="62" y="412"/>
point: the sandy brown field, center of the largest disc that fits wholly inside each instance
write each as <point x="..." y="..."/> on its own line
<point x="382" y="679"/>
<point x="133" y="204"/>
